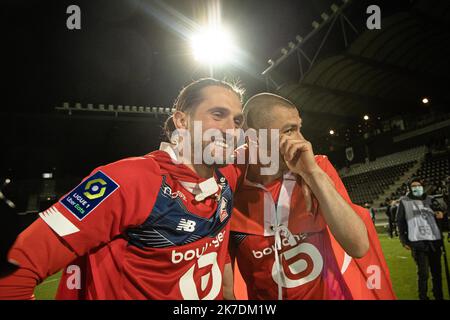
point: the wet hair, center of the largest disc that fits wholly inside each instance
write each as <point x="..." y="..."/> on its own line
<point x="191" y="96"/>
<point x="258" y="109"/>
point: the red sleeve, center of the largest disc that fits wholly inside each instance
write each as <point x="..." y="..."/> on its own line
<point x="112" y="199"/>
<point x="39" y="253"/>
<point x="106" y="203"/>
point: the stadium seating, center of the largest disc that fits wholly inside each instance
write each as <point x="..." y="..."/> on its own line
<point x="385" y="161"/>
<point x="366" y="182"/>
<point x="434" y="169"/>
<point x="366" y="187"/>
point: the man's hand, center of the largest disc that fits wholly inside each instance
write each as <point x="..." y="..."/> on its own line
<point x="298" y="154"/>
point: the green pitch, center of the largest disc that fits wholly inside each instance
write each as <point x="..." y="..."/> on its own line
<point x="399" y="260"/>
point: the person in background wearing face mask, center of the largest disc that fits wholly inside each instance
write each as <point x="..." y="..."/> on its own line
<point x="419" y="232"/>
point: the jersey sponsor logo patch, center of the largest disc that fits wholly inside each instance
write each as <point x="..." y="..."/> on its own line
<point x="304" y="264"/>
<point x="167" y="191"/>
<point x="89" y="194"/>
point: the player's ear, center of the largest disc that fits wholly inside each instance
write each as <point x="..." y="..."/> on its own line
<point x="180" y="120"/>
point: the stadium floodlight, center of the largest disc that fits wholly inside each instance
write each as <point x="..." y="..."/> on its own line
<point x="213" y="46"/>
<point x="284" y="51"/>
<point x="315" y="24"/>
<point x="366" y="117"/>
<point x="66" y="105"/>
<point x="47" y="175"/>
<point x="298" y="38"/>
<point x="90" y="106"/>
<point x="331" y="132"/>
<point x="271" y="62"/>
<point x="134" y="108"/>
<point x="78" y="105"/>
<point x="425" y="100"/>
<point x="291" y="45"/>
<point x="111" y="107"/>
<point x="101" y="106"/>
<point x="141" y="109"/>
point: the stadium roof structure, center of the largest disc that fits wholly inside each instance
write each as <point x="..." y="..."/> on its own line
<point x="381" y="72"/>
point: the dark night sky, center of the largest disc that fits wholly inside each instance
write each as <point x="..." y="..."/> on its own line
<point x="125" y="55"/>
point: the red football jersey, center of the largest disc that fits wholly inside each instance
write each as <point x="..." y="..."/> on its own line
<point x="309" y="270"/>
<point x="141" y="234"/>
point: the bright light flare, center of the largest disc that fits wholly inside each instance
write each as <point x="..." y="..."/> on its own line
<point x="213" y="46"/>
<point x="425" y="100"/>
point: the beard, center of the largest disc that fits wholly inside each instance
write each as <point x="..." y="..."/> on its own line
<point x="210" y="147"/>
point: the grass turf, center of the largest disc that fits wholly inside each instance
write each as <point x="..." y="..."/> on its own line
<point x="399" y="260"/>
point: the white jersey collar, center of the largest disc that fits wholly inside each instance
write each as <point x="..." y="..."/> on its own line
<point x="201" y="190"/>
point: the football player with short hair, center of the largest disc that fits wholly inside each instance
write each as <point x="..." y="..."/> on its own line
<point x="296" y="234"/>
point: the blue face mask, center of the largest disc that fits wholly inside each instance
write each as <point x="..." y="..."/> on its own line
<point x="417" y="191"/>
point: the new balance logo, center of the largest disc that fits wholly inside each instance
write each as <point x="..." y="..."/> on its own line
<point x="186" y="225"/>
